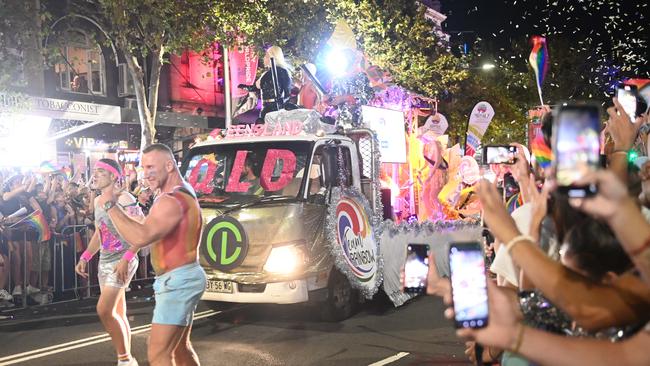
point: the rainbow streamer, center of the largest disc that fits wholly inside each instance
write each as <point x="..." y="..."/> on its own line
<point x="539" y="61"/>
<point x="37" y="221"/>
<point x="541" y="151"/>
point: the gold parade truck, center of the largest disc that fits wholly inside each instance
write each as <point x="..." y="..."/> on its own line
<point x="266" y="197"/>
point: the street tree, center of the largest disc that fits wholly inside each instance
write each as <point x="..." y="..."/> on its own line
<point x="146" y="31"/>
<point x="396" y="36"/>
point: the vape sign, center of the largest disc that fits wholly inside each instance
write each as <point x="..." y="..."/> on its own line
<point x="356" y="239"/>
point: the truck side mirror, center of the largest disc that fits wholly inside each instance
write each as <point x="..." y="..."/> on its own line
<point x="329" y="167"/>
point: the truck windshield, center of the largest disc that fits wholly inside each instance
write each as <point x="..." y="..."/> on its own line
<point x="241" y="172"/>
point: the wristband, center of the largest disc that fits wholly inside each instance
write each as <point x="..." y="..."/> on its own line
<point x="517" y="239"/>
<point x="128" y="255"/>
<point x="87" y="256"/>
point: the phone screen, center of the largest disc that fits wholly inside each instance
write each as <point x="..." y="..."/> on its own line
<point x="577" y="147"/>
<point x="468" y="285"/>
<point x="416" y="268"/>
<point x="500" y="154"/>
<point x="626" y="95"/>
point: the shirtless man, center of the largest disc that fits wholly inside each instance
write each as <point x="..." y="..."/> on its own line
<point x="173" y="228"/>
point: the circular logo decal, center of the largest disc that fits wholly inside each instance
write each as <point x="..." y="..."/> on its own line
<point x="224" y="244"/>
<point x="354" y="235"/>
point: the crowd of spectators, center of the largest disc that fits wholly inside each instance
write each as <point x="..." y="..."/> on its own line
<point x="26" y="264"/>
<point x="571" y="276"/>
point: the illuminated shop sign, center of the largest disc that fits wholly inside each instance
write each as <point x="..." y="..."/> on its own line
<point x="89" y="143"/>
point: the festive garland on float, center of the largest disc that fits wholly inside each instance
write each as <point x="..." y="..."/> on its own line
<point x="346" y="204"/>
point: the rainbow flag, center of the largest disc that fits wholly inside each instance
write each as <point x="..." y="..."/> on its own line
<point x="514" y="202"/>
<point x="539" y="61"/>
<point x="67" y="173"/>
<point x="37" y="220"/>
<point x="541" y="151"/>
<point x="48" y="167"/>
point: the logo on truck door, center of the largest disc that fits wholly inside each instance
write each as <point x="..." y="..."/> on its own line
<point x="355" y="237"/>
<point x="224" y="244"/>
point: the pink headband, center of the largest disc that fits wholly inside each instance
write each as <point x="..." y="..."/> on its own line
<point x="102" y="165"/>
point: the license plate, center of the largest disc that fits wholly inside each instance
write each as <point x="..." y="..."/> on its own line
<point x="219" y="286"/>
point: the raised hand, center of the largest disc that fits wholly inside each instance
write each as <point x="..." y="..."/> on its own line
<point x="621" y="129"/>
<point x="612" y="193"/>
<point x="495" y="214"/>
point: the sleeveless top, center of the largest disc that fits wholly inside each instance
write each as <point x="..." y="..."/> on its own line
<point x="112" y="244"/>
<point x="180" y="246"/>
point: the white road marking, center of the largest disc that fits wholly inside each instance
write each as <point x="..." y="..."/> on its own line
<point x="80" y="343"/>
<point x="390" y="359"/>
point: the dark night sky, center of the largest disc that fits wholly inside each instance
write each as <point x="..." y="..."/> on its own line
<point x="610" y="32"/>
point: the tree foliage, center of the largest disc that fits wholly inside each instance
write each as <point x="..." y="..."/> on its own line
<point x="20" y="53"/>
<point x="393" y="34"/>
<point x="396" y="36"/>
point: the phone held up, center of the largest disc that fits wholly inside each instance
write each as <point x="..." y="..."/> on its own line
<point x="576" y="146"/>
<point x="499" y="154"/>
<point x="416" y="268"/>
<point x="468" y="284"/>
<point x="632" y="103"/>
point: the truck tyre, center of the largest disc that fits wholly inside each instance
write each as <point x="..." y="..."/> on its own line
<point x="342" y="299"/>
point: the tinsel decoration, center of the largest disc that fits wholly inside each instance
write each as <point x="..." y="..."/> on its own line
<point x="540" y="313"/>
<point x="367" y="290"/>
<point x="395" y="238"/>
<point x="359" y="91"/>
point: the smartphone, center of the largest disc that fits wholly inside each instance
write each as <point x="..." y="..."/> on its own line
<point x="468" y="284"/>
<point x="576" y="145"/>
<point x="416" y="268"/>
<point x="627" y="95"/>
<point x="499" y="154"/>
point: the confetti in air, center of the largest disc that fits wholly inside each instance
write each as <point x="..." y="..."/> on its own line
<point x="607" y="38"/>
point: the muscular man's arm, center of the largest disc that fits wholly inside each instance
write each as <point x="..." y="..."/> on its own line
<point x="164" y="216"/>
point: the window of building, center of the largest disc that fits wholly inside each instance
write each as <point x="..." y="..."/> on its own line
<point x="81" y="67"/>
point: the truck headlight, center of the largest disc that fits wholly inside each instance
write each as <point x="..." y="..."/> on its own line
<point x="285" y="259"/>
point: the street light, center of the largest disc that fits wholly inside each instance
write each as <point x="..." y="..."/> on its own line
<point x="487" y="66"/>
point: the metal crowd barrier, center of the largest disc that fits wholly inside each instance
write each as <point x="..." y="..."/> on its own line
<point x="64" y="251"/>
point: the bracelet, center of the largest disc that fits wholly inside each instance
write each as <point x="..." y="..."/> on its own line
<point x="492" y="358"/>
<point x="87" y="256"/>
<point x="619" y="152"/>
<point x="641" y="249"/>
<point x="517" y="239"/>
<point x="520" y="338"/>
<point x="128" y="255"/>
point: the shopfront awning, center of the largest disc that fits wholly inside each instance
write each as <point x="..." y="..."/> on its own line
<point x="88" y="114"/>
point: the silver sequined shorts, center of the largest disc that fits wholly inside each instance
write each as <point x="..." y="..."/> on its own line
<point x="107" y="276"/>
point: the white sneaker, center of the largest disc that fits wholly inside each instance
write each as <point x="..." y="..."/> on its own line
<point x="4" y="295"/>
<point x="18" y="291"/>
<point x="131" y="362"/>
<point x="31" y="290"/>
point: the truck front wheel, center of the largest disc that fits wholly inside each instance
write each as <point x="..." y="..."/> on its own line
<point x="342" y="299"/>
